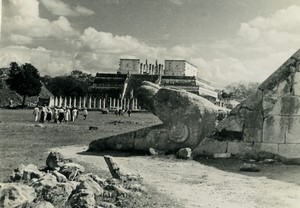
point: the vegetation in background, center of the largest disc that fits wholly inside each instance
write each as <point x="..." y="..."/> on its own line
<point x="75" y="84"/>
<point x="24" y="79"/>
<point x="238" y="90"/>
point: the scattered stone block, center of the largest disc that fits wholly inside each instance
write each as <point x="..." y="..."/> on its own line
<point x="222" y="155"/>
<point x="249" y="167"/>
<point x="269" y="161"/>
<point x="31" y="171"/>
<point x="105" y="111"/>
<point x="59" y="177"/>
<point x="15" y="194"/>
<point x="153" y="151"/>
<point x="71" y="170"/>
<point x="55" y="160"/>
<point x="184" y="153"/>
<point x="57" y="195"/>
<point x="113" y="167"/>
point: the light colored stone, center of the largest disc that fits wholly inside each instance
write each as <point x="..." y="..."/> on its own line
<point x="184" y="153"/>
<point x="222" y="155"/>
<point x="287" y="105"/>
<point x="31" y="171"/>
<point x="274" y="129"/>
<point x="82" y="198"/>
<point x="15" y="194"/>
<point x="248" y="167"/>
<point x="41" y="204"/>
<point x="92" y="186"/>
<point x="71" y="170"/>
<point x="59" y="177"/>
<point x="289" y="150"/>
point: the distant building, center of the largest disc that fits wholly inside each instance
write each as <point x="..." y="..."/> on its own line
<point x="131" y="66"/>
<point x="180" y="68"/>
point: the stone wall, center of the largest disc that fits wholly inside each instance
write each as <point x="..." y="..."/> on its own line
<point x="269" y="119"/>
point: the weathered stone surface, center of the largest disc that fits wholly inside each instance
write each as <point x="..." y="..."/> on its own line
<point x="210" y="146"/>
<point x="293" y="129"/>
<point x="146" y="94"/>
<point x="117" y="142"/>
<point x="253" y="135"/>
<point x="41" y="204"/>
<point x="274" y="129"/>
<point x="59" y="194"/>
<point x="269" y="147"/>
<point x="248" y="167"/>
<point x="17" y="174"/>
<point x="31" y="171"/>
<point x="82" y="199"/>
<point x="231" y="124"/>
<point x="184" y="153"/>
<point x="289" y="150"/>
<point x="296" y="84"/>
<point x="71" y="170"/>
<point x="287" y="105"/>
<point x="106" y="205"/>
<point x="54" y="160"/>
<point x="59" y="177"/>
<point x="91" y="185"/>
<point x="15" y="194"/>
<point x="47" y="181"/>
<point x="254" y="101"/>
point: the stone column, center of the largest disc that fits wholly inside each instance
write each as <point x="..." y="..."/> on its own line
<point x="90" y="103"/>
<point x="118" y="103"/>
<point x="110" y="102"/>
<point x="74" y="102"/>
<point x="51" y="101"/>
<point x="55" y="101"/>
<point x="100" y="103"/>
<point x="84" y="102"/>
<point x="79" y="104"/>
<point x="114" y="102"/>
<point x="70" y="102"/>
<point x="95" y="103"/>
<point x="104" y="103"/>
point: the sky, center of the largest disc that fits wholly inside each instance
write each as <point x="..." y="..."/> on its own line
<point x="229" y="40"/>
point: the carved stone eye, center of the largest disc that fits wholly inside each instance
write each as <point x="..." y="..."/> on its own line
<point x="179" y="132"/>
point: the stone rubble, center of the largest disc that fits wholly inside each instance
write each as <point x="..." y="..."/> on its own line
<point x="64" y="184"/>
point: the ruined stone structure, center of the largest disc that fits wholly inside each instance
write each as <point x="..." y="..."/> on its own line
<point x="266" y="123"/>
<point x="180" y="68"/>
<point x="134" y="66"/>
<point x="268" y="120"/>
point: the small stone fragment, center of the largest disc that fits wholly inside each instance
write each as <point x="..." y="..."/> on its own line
<point x="184" y="153"/>
<point x="247" y="167"/>
<point x="54" y="160"/>
<point x="222" y="155"/>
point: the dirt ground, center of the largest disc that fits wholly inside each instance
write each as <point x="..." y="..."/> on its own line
<point x="179" y="183"/>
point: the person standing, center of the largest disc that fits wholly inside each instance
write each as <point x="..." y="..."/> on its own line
<point x="55" y="115"/>
<point x="43" y="114"/>
<point x="67" y="115"/>
<point x="74" y="114"/>
<point x="85" y="113"/>
<point x="36" y="113"/>
<point x="61" y="114"/>
<point x="49" y="114"/>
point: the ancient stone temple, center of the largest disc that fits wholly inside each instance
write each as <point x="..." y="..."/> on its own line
<point x="132" y="73"/>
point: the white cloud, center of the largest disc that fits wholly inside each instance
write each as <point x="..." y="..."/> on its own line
<point x="58" y="7"/>
<point x="46" y="61"/>
<point x="22" y="23"/>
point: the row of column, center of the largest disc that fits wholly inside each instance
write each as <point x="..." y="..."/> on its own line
<point x="94" y="103"/>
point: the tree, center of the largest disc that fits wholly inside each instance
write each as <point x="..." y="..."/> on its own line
<point x="25" y="80"/>
<point x="241" y="90"/>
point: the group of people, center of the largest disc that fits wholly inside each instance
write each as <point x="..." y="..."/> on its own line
<point x="57" y="114"/>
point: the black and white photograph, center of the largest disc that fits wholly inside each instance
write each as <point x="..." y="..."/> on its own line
<point x="149" y="103"/>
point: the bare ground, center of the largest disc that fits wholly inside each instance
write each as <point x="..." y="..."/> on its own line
<point x="192" y="184"/>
